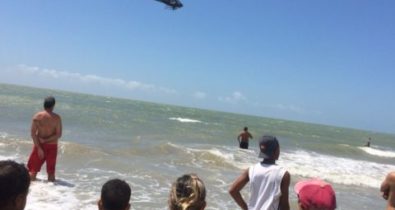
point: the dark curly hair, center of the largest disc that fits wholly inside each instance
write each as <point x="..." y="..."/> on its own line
<point x="14" y="181"/>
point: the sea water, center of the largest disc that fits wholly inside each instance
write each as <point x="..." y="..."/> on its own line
<point x="149" y="145"/>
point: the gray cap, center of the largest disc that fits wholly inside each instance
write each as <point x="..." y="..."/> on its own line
<point x="268" y="146"/>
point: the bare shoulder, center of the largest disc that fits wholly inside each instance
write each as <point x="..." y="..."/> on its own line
<point x="391" y="177"/>
<point x="56" y="115"/>
<point x="38" y="115"/>
<point x="56" y="118"/>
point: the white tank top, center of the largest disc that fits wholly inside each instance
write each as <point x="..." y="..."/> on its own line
<point x="265" y="186"/>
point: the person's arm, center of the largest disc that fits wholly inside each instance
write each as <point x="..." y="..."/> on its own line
<point x="388" y="190"/>
<point x="237" y="186"/>
<point x="250" y="135"/>
<point x="34" y="135"/>
<point x="284" y="202"/>
<point x="56" y="135"/>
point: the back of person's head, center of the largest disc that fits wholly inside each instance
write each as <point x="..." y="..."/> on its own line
<point x="49" y="102"/>
<point x="245" y="128"/>
<point x="115" y="195"/>
<point x="269" y="147"/>
<point x="187" y="193"/>
<point x="14" y="185"/>
<point x="315" y="194"/>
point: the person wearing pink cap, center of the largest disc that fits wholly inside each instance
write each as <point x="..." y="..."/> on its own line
<point x="269" y="182"/>
<point x="315" y="194"/>
<point x="388" y="190"/>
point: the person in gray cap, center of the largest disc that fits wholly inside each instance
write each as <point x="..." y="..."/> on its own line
<point x="269" y="182"/>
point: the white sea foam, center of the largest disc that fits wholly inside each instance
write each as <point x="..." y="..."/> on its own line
<point x="335" y="169"/>
<point x="185" y="120"/>
<point x="8" y="157"/>
<point x="200" y="156"/>
<point x="55" y="196"/>
<point x="222" y="156"/>
<point x="378" y="152"/>
<point x="5" y="154"/>
<point x="3" y="135"/>
<point x="345" y="145"/>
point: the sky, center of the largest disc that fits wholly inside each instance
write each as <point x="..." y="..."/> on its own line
<point x="330" y="62"/>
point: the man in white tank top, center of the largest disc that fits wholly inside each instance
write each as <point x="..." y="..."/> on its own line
<point x="269" y="183"/>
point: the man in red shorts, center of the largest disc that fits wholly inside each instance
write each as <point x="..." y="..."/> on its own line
<point x="45" y="131"/>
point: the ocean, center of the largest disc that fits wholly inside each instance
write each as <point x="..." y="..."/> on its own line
<point x="149" y="145"/>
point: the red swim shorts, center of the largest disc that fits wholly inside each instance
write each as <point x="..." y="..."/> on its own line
<point x="50" y="152"/>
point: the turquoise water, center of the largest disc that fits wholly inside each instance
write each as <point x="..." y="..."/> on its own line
<point x="150" y="145"/>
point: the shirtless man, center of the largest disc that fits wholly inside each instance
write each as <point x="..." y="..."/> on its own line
<point x="243" y="138"/>
<point x="368" y="143"/>
<point x="46" y="130"/>
<point x="388" y="190"/>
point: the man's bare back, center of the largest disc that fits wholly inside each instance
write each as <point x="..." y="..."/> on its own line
<point x="47" y="127"/>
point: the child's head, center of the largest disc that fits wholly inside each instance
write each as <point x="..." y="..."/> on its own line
<point x="187" y="193"/>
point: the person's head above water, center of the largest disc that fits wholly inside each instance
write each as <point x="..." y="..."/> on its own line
<point x="245" y="128"/>
<point x="49" y="102"/>
<point x="187" y="193"/>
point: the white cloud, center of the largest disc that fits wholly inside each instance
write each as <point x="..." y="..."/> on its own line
<point x="199" y="95"/>
<point x="236" y="97"/>
<point x="291" y="108"/>
<point x="90" y="79"/>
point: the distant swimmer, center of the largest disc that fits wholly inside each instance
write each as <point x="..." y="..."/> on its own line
<point x="243" y="138"/>
<point x="368" y="143"/>
<point x="46" y="130"/>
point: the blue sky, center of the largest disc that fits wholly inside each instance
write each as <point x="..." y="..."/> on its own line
<point x="328" y="62"/>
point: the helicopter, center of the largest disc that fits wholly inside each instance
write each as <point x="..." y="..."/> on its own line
<point x="173" y="4"/>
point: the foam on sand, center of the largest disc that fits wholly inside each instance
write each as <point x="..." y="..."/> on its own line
<point x="58" y="195"/>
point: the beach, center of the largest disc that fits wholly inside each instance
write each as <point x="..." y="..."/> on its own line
<point x="149" y="145"/>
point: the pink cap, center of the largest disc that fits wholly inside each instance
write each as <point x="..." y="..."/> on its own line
<point x="316" y="194"/>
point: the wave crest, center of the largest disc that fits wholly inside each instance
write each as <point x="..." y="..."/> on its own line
<point x="378" y="152"/>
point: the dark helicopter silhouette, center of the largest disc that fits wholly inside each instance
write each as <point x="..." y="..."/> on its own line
<point x="174" y="4"/>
